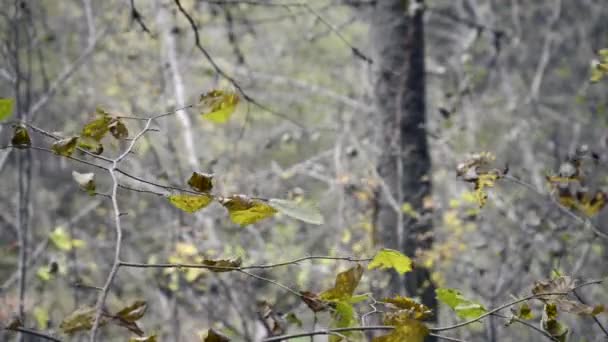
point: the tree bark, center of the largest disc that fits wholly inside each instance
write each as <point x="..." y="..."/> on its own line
<point x="404" y="165"/>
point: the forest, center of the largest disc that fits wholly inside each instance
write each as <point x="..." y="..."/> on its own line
<point x="303" y="170"/>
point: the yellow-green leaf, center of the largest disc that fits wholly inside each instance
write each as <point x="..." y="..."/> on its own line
<point x="389" y="258"/>
<point x="21" y="138"/>
<point x="463" y="307"/>
<point x="525" y="312"/>
<point x="302" y="211"/>
<point x="244" y="211"/>
<point x="413" y="309"/>
<point x="79" y="320"/>
<point x="201" y="182"/>
<point x="6" y="108"/>
<point x="190" y="203"/>
<point x="218" y="105"/>
<point x="97" y="128"/>
<point x="65" y="147"/>
<point x="345" y="285"/>
<point x="133" y="312"/>
<point x="86" y="181"/>
<point x="91" y="145"/>
<point x="41" y="315"/>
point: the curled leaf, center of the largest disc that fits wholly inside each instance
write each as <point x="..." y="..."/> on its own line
<point x="79" y="320"/>
<point x="65" y="147"/>
<point x="464" y="308"/>
<point x="201" y="182"/>
<point x="21" y="138"/>
<point x="86" y="181"/>
<point x="118" y="129"/>
<point x="133" y="312"/>
<point x="223" y="265"/>
<point x="97" y="128"/>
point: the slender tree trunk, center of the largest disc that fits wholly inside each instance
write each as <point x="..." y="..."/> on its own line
<point x="405" y="166"/>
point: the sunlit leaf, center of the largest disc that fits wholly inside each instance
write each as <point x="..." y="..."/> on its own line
<point x="86" y="181"/>
<point x="21" y="138"/>
<point x="218" y="105"/>
<point x="133" y="312"/>
<point x="476" y="170"/>
<point x="223" y="265"/>
<point x="302" y="211"/>
<point x="79" y="320"/>
<point x="409" y="330"/>
<point x="244" y="210"/>
<point x="201" y="182"/>
<point x="389" y="258"/>
<point x="345" y="285"/>
<point x="190" y="203"/>
<point x="213" y="336"/>
<point x="65" y="147"/>
<point x="464" y="308"/>
<point x="6" y="108"/>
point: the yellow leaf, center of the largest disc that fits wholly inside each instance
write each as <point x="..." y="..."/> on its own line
<point x="244" y="211"/>
<point x="190" y="203"/>
<point x="186" y="249"/>
<point x="345" y="285"/>
<point x="97" y="128"/>
<point x="218" y="105"/>
<point x="6" y="108"/>
<point x="389" y="258"/>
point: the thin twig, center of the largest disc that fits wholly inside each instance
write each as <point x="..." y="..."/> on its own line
<point x="34" y="333"/>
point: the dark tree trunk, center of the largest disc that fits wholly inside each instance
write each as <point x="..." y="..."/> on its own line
<point x="404" y="166"/>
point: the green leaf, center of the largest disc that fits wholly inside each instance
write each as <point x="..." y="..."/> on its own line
<point x="551" y="325"/>
<point x="345" y="285"/>
<point x="463" y="307"/>
<point x="218" y="105"/>
<point x="291" y="318"/>
<point x="190" y="203"/>
<point x="44" y="273"/>
<point x="133" y="312"/>
<point x="525" y="312"/>
<point x="389" y="258"/>
<point x="244" y="210"/>
<point x="86" y="181"/>
<point x="6" y="108"/>
<point x="201" y="182"/>
<point x="302" y="211"/>
<point x="409" y="210"/>
<point x="79" y="320"/>
<point x="21" y="138"/>
<point x="213" y="336"/>
<point x="65" y="147"/>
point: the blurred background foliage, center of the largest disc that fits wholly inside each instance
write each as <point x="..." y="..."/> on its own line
<point x="507" y="77"/>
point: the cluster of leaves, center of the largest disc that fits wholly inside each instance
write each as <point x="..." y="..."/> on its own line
<point x="599" y="69"/>
<point x="569" y="185"/>
<point x="476" y="169"/>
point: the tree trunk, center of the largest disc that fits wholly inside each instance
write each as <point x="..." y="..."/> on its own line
<point x="404" y="166"/>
